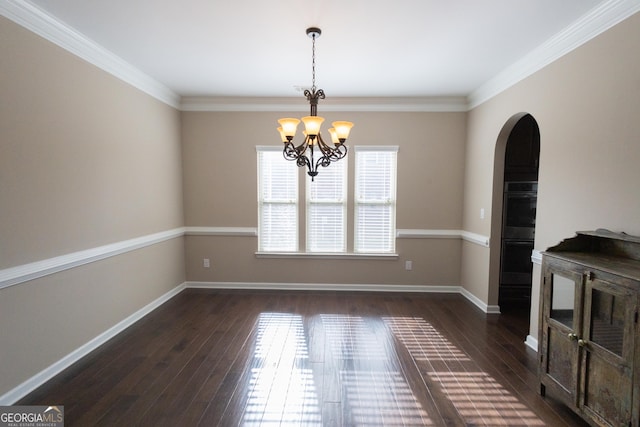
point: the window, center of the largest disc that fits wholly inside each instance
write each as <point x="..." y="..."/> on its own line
<point x="375" y="199"/>
<point x="277" y="202"/>
<point x="326" y="206"/>
<point x="327" y="209"/>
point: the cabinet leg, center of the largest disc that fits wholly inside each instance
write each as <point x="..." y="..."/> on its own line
<point x="543" y="390"/>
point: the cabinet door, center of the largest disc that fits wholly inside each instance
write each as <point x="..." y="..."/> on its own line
<point x="561" y="322"/>
<point x="606" y="389"/>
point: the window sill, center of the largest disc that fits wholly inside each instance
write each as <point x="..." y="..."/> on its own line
<point x="318" y="255"/>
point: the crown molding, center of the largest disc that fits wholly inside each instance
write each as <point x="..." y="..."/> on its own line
<point x="600" y="19"/>
<point x="297" y="104"/>
<point x="594" y="23"/>
<point x="37" y="21"/>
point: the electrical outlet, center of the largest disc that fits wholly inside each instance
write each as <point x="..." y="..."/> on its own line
<point x="408" y="265"/>
<point x="206" y="263"/>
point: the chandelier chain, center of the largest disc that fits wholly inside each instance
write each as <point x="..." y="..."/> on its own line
<point x="313" y="63"/>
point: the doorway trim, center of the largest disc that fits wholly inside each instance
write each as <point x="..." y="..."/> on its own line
<point x="495" y="249"/>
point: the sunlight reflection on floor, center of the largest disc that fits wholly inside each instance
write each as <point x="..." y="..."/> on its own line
<point x="375" y="391"/>
<point x="382" y="399"/>
<point x="476" y="396"/>
<point x="281" y="389"/>
<point x="371" y="388"/>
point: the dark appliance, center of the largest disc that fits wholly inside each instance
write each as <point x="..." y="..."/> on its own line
<point x="518" y="224"/>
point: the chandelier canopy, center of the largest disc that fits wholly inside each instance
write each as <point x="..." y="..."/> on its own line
<point x="312" y="138"/>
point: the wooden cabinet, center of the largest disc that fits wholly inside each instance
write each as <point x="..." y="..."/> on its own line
<point x="589" y="338"/>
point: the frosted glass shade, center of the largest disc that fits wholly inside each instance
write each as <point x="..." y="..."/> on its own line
<point x="312" y="124"/>
<point x="334" y="136"/>
<point x="289" y="127"/>
<point x="342" y="130"/>
<point x="282" y="135"/>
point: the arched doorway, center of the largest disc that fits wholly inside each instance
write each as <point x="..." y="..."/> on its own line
<point x="514" y="203"/>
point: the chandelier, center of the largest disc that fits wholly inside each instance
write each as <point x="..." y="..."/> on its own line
<point x="313" y="144"/>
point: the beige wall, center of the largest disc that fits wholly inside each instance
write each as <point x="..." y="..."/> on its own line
<point x="587" y="105"/>
<point x="46" y="319"/>
<point x="219" y="159"/>
<point x="435" y="262"/>
<point x="85" y="160"/>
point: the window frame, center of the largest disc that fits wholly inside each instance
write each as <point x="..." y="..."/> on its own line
<point x="389" y="201"/>
<point x="342" y="202"/>
<point x="350" y="216"/>
<point x="262" y="202"/>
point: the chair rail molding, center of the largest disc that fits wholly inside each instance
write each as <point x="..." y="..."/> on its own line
<point x="22" y="273"/>
<point x="403" y="233"/>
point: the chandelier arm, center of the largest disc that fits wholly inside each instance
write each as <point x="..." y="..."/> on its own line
<point x="326" y="150"/>
<point x="290" y="151"/>
<point x="334" y="153"/>
<point x="300" y="149"/>
<point x="323" y="161"/>
<point x="341" y="151"/>
<point x="303" y="161"/>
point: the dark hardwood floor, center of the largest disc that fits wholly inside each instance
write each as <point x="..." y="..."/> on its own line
<point x="273" y="358"/>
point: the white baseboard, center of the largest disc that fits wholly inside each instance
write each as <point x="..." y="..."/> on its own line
<point x="532" y="343"/>
<point x="45" y="375"/>
<point x="323" y="287"/>
<point x="489" y="309"/>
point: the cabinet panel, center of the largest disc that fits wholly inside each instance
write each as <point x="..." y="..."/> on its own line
<point x="562" y="362"/>
<point x="607" y="391"/>
<point x="607" y="359"/>
<point x="563" y="289"/>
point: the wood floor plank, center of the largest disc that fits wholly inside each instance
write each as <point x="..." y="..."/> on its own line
<point x="205" y="356"/>
<point x="262" y="358"/>
<point x="476" y="339"/>
<point x="165" y="360"/>
<point x="94" y="373"/>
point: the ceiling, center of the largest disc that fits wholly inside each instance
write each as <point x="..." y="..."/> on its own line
<point x="368" y="48"/>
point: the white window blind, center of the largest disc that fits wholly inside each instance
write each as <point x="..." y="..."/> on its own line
<point x="375" y="199"/>
<point x="326" y="209"/>
<point x="277" y="202"/>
